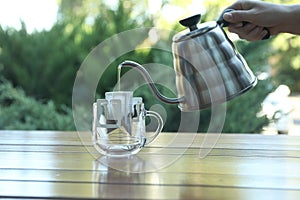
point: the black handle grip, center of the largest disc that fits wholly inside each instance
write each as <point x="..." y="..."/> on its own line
<point x="222" y="22"/>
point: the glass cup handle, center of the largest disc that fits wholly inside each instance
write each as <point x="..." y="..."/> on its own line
<point x="159" y="127"/>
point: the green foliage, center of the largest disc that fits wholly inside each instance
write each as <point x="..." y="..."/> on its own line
<point x="44" y="64"/>
<point x="286" y="61"/>
<point x="21" y="112"/>
<point x="241" y="115"/>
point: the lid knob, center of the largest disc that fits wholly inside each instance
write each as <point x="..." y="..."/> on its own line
<point x="191" y="22"/>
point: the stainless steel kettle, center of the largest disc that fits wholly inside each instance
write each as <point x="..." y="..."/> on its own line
<point x="208" y="68"/>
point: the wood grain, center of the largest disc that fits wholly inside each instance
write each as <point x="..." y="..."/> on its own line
<point x="64" y="165"/>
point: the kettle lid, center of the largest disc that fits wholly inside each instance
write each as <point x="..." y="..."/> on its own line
<point x="193" y="30"/>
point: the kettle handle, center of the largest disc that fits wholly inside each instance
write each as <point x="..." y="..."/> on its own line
<point x="223" y="23"/>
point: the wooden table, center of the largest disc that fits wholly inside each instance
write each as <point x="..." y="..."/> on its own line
<point x="62" y="165"/>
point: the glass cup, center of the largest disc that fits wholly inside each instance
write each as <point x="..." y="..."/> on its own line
<point x="119" y="124"/>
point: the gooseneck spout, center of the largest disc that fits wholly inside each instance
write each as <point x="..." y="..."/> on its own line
<point x="150" y="82"/>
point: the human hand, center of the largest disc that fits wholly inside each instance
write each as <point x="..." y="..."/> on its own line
<point x="260" y="17"/>
<point x="249" y="31"/>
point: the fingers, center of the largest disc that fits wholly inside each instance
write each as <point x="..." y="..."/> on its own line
<point x="242" y="11"/>
<point x="249" y="31"/>
<point x="237" y="16"/>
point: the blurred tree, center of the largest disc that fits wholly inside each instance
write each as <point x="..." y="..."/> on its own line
<point x="42" y="63"/>
<point x="45" y="63"/>
<point x="285" y="61"/>
<point x="21" y="112"/>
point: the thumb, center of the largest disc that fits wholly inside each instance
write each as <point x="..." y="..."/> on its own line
<point x="236" y="16"/>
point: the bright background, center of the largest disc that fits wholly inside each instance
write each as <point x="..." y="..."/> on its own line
<point x="37" y="14"/>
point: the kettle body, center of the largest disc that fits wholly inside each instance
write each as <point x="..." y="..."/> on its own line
<point x="208" y="68"/>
